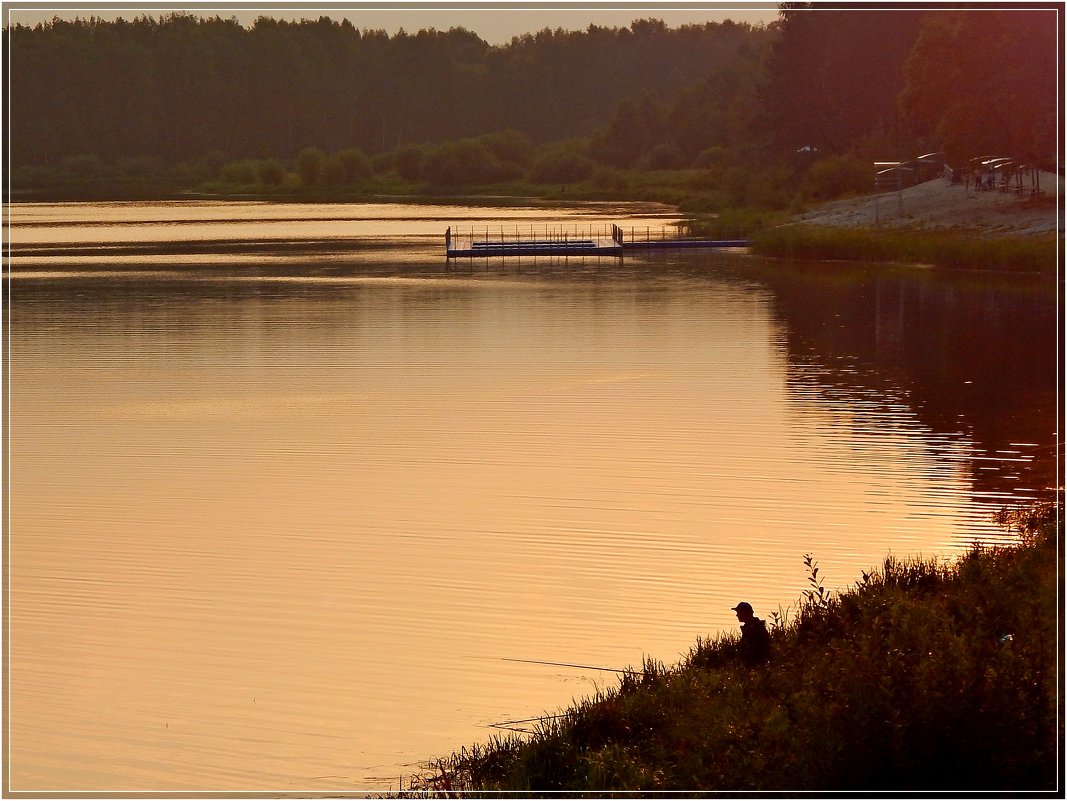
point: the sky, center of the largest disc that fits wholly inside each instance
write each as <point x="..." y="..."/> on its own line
<point x="497" y="23"/>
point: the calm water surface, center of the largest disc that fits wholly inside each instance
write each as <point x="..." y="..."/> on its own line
<point x="287" y="495"/>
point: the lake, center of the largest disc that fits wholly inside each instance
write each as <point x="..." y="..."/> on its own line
<point x="291" y="498"/>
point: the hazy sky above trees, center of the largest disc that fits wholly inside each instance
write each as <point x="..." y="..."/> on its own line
<point x="494" y="25"/>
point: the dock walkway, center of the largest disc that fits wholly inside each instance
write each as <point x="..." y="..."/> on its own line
<point x="605" y="242"/>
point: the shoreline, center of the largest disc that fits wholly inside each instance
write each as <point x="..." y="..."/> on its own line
<point x="922" y="676"/>
<point x="943" y="224"/>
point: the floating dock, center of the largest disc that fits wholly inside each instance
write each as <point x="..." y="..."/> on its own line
<point x="483" y="243"/>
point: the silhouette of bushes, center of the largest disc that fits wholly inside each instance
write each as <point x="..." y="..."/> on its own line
<point x="464" y="163"/>
<point x="924" y="676"/>
<point x="562" y="163"/>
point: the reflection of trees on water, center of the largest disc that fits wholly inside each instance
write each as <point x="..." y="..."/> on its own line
<point x="972" y="355"/>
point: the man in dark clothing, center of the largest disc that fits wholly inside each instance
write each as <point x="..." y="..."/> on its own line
<point x="755" y="640"/>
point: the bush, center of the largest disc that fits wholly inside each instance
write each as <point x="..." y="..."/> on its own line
<point x="408" y="162"/>
<point x="923" y="677"/>
<point x="611" y="178"/>
<point x="212" y="162"/>
<point x="355" y="165"/>
<point x="466" y="162"/>
<point x="771" y="189"/>
<point x="383" y="162"/>
<point x="82" y="167"/>
<point x="713" y="158"/>
<point x="332" y="171"/>
<point x="510" y="146"/>
<point x="837" y="176"/>
<point x="140" y="167"/>
<point x="561" y="164"/>
<point x="33" y="176"/>
<point x="664" y="156"/>
<point x="270" y="172"/>
<point x="242" y="172"/>
<point x="309" y="164"/>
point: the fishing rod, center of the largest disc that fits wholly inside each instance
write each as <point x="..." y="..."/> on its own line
<point x="514" y="725"/>
<point x="570" y="665"/>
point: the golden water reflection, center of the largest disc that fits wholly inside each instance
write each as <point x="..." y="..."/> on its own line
<point x="283" y="535"/>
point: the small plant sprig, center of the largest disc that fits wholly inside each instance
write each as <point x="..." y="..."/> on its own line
<point x="779" y="619"/>
<point x="818" y="596"/>
<point x="1028" y="522"/>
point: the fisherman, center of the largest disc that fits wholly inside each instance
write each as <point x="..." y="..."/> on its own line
<point x="755" y="640"/>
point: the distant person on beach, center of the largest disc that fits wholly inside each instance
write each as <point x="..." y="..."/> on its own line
<point x="755" y="640"/>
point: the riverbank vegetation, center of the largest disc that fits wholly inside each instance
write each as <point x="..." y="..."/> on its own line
<point x="953" y="249"/>
<point x="923" y="676"/>
<point x="715" y="118"/>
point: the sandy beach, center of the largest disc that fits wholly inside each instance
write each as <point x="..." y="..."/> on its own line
<point x="939" y="204"/>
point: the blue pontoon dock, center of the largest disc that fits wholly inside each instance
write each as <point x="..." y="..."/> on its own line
<point x="483" y="243"/>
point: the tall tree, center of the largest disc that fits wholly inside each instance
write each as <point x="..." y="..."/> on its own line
<point x="835" y="72"/>
<point x="985" y="82"/>
<point x="179" y="87"/>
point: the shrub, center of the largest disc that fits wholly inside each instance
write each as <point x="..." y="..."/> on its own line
<point x="408" y="162"/>
<point x="240" y="172"/>
<point x="85" y="166"/>
<point x="270" y="172"/>
<point x="383" y="162"/>
<point x="510" y="146"/>
<point x="465" y="162"/>
<point x="611" y="178"/>
<point x="140" y="167"/>
<point x="770" y="189"/>
<point x="713" y="158"/>
<point x="925" y="676"/>
<point x="33" y="176"/>
<point x="332" y="171"/>
<point x="212" y="163"/>
<point x="664" y="156"/>
<point x="561" y="164"/>
<point x="837" y="176"/>
<point x="355" y="165"/>
<point x="309" y="164"/>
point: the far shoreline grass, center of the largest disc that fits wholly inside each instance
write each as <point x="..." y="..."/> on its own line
<point x="924" y="676"/>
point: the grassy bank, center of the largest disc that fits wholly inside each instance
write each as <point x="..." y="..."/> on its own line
<point x="923" y="676"/>
<point x="943" y="249"/>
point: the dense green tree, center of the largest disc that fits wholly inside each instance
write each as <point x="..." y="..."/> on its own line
<point x="756" y="108"/>
<point x="834" y="74"/>
<point x="985" y="81"/>
<point x="179" y="86"/>
<point x="638" y="126"/>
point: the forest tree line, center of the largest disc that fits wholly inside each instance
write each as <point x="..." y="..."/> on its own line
<point x="814" y="96"/>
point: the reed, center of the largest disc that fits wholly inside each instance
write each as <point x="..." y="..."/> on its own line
<point x="953" y="249"/>
<point x="923" y="676"/>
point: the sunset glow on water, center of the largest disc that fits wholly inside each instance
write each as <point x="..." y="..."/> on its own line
<point x="281" y="523"/>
